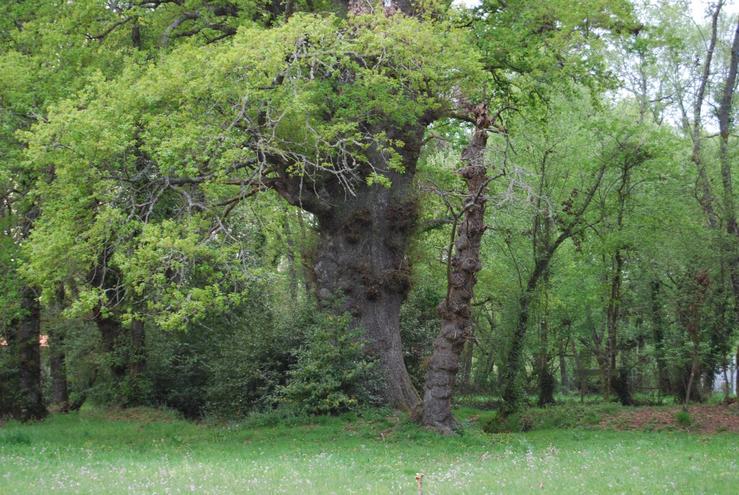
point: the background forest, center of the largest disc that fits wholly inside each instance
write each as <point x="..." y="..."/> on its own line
<point x="230" y="207"/>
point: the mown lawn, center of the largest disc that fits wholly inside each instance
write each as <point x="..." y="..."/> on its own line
<point x="374" y="453"/>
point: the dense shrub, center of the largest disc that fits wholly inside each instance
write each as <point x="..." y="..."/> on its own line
<point x="508" y="424"/>
<point x="258" y="359"/>
<point x="332" y="373"/>
<point x="227" y="367"/>
<point x="552" y="417"/>
<point x="179" y="367"/>
<point x="252" y="361"/>
<point x="683" y="419"/>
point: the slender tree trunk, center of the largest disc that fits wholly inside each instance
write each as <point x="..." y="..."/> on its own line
<point x="58" y="368"/>
<point x="692" y="319"/>
<point x="546" y="378"/>
<point x="57" y="357"/>
<point x="564" y="381"/>
<point x="613" y="315"/>
<point x="694" y="363"/>
<point x="511" y="390"/>
<point x="663" y="377"/>
<point x="704" y="192"/>
<point x="455" y="310"/>
<point x="27" y="330"/>
<point x="543" y="256"/>
<point x="725" y="112"/>
<point x="579" y="372"/>
<point x="483" y="371"/>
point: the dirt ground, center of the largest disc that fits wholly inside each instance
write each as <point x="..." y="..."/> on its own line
<point x="703" y="419"/>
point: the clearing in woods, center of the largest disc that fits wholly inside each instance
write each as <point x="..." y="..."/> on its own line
<point x="145" y="451"/>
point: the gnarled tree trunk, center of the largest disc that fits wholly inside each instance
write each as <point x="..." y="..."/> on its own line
<point x="360" y="262"/>
<point x="361" y="267"/>
<point x="455" y="309"/>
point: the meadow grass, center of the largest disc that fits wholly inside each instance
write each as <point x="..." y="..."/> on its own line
<point x="377" y="452"/>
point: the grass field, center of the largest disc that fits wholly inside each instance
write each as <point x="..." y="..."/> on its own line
<point x="148" y="452"/>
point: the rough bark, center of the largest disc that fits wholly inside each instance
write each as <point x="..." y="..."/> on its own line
<point x="362" y="268"/>
<point x="360" y="262"/>
<point x="27" y="330"/>
<point x="455" y="309"/>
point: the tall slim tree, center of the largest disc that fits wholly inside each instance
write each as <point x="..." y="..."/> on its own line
<point x="455" y="310"/>
<point x="725" y="113"/>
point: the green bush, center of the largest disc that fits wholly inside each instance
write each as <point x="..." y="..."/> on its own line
<point x="683" y="419"/>
<point x="332" y="373"/>
<point x="15" y="438"/>
<point x="252" y="362"/>
<point x="512" y="423"/>
<point x="552" y="417"/>
<point x="228" y="367"/>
